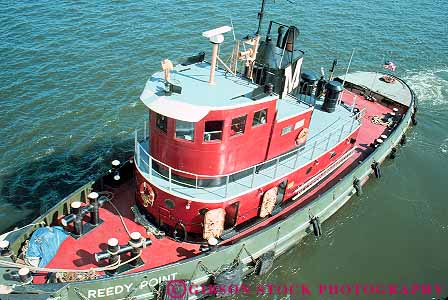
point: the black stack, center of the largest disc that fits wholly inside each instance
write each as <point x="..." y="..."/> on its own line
<point x="333" y="90"/>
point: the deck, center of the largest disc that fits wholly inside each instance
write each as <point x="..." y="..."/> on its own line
<point x="79" y="254"/>
<point x="397" y="91"/>
<point x="228" y="91"/>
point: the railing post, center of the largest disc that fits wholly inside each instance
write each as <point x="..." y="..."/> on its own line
<point x="276" y="166"/>
<point x="353" y="122"/>
<point x="340" y="134"/>
<point x="297" y="157"/>
<point x="135" y="140"/>
<point x="314" y="149"/>
<point x="253" y="177"/>
<point x="137" y="150"/>
<point x="196" y="177"/>
<point x="227" y="184"/>
<point x="169" y="177"/>
<point x="150" y="166"/>
<point x="328" y="141"/>
<point x="144" y="130"/>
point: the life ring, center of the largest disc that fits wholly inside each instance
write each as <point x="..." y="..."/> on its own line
<point x="214" y="220"/>
<point x="302" y="136"/>
<point x="147" y="194"/>
<point x="176" y="235"/>
<point x="268" y="202"/>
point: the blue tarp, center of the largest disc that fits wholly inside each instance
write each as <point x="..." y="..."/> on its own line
<point x="44" y="243"/>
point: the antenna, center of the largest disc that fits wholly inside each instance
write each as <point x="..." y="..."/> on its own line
<point x="335" y="62"/>
<point x="260" y="17"/>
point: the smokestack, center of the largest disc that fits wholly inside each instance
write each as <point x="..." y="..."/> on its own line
<point x="290" y="38"/>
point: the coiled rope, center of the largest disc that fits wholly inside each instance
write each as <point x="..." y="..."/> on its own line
<point x="379" y="121"/>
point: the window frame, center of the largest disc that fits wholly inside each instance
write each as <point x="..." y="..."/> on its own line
<point x="237" y="133"/>
<point x="266" y="118"/>
<point x="166" y="123"/>
<point x="214" y="131"/>
<point x="289" y="127"/>
<point x="181" y="138"/>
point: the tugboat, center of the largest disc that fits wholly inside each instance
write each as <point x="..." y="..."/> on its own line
<point x="238" y="161"/>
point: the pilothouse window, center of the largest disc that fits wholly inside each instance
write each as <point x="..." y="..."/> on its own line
<point x="161" y="122"/>
<point x="185" y="130"/>
<point x="260" y="117"/>
<point x="238" y="125"/>
<point x="213" y="131"/>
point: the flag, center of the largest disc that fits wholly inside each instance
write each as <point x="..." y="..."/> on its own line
<point x="389" y="65"/>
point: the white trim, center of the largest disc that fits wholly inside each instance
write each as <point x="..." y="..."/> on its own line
<point x="293" y="116"/>
<point x="149" y="101"/>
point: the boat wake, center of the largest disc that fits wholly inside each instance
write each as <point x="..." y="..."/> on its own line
<point x="429" y="85"/>
<point x="444" y="146"/>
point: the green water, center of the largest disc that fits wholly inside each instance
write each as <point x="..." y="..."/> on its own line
<point x="71" y="74"/>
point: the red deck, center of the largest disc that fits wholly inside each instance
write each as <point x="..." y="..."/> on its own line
<point x="79" y="254"/>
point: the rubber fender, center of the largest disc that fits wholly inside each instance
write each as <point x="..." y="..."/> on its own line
<point x="231" y="277"/>
<point x="376" y="169"/>
<point x="403" y="140"/>
<point x="393" y="153"/>
<point x="265" y="262"/>
<point x="316" y="226"/>
<point x="358" y="187"/>
<point x="414" y="120"/>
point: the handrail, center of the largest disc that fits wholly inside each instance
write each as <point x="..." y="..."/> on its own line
<point x="298" y="152"/>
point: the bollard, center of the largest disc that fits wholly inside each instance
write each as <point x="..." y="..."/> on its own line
<point x="113" y="248"/>
<point x="94" y="214"/>
<point x="5" y="251"/>
<point x="78" y="213"/>
<point x="113" y="252"/>
<point x="115" y="166"/>
<point x="77" y="222"/>
<point x="25" y="275"/>
<point x="136" y="243"/>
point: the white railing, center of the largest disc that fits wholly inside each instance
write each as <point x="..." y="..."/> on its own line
<point x="145" y="161"/>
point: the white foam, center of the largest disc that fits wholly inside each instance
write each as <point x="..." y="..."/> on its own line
<point x="429" y="85"/>
<point x="444" y="146"/>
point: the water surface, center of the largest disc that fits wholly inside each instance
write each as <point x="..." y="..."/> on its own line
<point x="71" y="74"/>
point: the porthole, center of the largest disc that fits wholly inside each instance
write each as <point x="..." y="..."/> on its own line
<point x="169" y="203"/>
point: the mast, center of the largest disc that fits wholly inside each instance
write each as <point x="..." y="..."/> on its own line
<point x="260" y="17"/>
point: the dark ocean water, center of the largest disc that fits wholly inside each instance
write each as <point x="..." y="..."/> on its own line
<point x="71" y="73"/>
